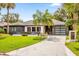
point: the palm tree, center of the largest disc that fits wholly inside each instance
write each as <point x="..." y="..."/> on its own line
<point x="72" y="11"/>
<point x="17" y="17"/>
<point x="47" y="18"/>
<point x="1" y="6"/>
<point x="60" y="14"/>
<point x="8" y="6"/>
<point x="44" y="18"/>
<point x="37" y="18"/>
<point x="13" y="17"/>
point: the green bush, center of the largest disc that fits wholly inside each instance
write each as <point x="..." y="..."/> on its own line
<point x="24" y="34"/>
<point x="77" y="34"/>
<point x="67" y="37"/>
<point x="2" y="30"/>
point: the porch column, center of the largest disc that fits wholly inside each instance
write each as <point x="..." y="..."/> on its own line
<point x="35" y="28"/>
<point x="42" y="29"/>
<point x="25" y="30"/>
<point x="31" y="28"/>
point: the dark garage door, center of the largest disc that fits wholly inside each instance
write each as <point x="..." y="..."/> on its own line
<point x="59" y="30"/>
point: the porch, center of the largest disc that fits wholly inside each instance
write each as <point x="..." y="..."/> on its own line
<point x="51" y="30"/>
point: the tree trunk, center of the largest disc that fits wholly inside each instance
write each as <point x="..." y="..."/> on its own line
<point x="7" y="20"/>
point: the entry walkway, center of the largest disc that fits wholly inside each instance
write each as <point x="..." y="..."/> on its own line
<point x="52" y="46"/>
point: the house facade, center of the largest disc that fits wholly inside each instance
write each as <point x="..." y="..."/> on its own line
<point x="58" y="28"/>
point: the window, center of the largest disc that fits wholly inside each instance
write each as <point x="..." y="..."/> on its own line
<point x="28" y="29"/>
<point x="13" y="28"/>
<point x="33" y="29"/>
<point x="38" y="29"/>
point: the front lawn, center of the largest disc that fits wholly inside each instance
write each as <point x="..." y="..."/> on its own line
<point x="74" y="47"/>
<point x="15" y="42"/>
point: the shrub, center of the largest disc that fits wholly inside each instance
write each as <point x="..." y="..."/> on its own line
<point x="67" y="37"/>
<point x="77" y="34"/>
<point x="24" y="34"/>
<point x="2" y="30"/>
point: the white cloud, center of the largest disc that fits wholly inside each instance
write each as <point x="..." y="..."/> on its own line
<point x="55" y="4"/>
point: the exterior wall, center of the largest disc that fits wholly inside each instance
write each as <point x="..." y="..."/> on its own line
<point x="21" y="29"/>
<point x="15" y="29"/>
<point x="42" y="29"/>
<point x="25" y="29"/>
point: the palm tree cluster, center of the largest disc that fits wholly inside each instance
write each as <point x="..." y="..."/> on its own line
<point x="13" y="17"/>
<point x="43" y="17"/>
<point x="8" y="6"/>
<point x="69" y="13"/>
<point x="60" y="14"/>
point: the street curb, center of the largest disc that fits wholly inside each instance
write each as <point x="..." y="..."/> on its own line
<point x="69" y="52"/>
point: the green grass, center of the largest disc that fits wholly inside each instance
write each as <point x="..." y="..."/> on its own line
<point x="15" y="42"/>
<point x="74" y="47"/>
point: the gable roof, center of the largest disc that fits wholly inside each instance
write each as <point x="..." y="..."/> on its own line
<point x="30" y="22"/>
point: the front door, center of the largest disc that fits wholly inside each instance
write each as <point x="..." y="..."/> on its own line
<point x="48" y="29"/>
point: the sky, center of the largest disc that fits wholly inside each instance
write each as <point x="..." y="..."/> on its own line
<point x="26" y="10"/>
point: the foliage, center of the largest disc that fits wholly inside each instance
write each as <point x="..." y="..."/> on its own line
<point x="13" y="17"/>
<point x="60" y="14"/>
<point x="72" y="10"/>
<point x="2" y="30"/>
<point x="37" y="17"/>
<point x="74" y="47"/>
<point x="42" y="17"/>
<point x="15" y="42"/>
<point x="77" y="37"/>
<point x="77" y="33"/>
<point x="24" y="34"/>
<point x="47" y="18"/>
<point x="67" y="37"/>
<point x="69" y="22"/>
<point x="8" y="6"/>
<point x="68" y="11"/>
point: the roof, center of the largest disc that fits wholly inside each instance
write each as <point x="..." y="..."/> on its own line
<point x="56" y="22"/>
<point x="30" y="23"/>
<point x="3" y="23"/>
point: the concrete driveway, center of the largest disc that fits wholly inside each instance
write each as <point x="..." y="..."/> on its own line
<point x="52" y="46"/>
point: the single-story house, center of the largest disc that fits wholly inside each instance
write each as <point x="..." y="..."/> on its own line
<point x="58" y="28"/>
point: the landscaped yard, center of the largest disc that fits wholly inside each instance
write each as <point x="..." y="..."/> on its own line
<point x="10" y="43"/>
<point x="74" y="47"/>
